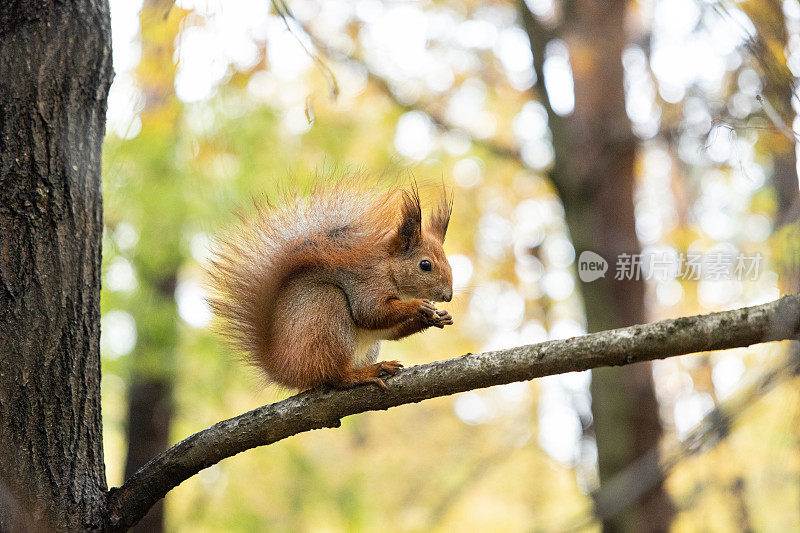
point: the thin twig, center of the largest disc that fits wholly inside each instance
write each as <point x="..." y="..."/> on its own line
<point x="776" y="119"/>
<point x="492" y="146"/>
<point x="285" y="13"/>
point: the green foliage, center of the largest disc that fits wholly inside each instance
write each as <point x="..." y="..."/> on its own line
<point x="193" y="166"/>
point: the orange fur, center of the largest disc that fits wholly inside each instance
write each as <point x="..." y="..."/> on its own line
<point x="308" y="288"/>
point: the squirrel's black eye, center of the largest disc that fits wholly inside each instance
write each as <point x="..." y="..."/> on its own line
<point x="425" y="265"/>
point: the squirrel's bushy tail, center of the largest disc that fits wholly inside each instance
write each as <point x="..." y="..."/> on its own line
<point x="336" y="223"/>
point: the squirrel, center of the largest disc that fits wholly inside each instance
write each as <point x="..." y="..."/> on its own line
<point x="308" y="289"/>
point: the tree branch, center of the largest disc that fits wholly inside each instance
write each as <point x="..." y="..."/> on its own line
<point x="315" y="409"/>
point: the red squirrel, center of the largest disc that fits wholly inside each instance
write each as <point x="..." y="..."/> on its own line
<point x="308" y="289"/>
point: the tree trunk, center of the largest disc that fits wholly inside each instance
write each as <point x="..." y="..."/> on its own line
<point x="779" y="86"/>
<point x="770" y="49"/>
<point x="779" y="89"/>
<point x="55" y="71"/>
<point x="158" y="254"/>
<point x="593" y="171"/>
<point x="149" y="417"/>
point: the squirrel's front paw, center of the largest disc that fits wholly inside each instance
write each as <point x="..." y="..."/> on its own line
<point x="434" y="317"/>
<point x="426" y="310"/>
<point x="443" y="319"/>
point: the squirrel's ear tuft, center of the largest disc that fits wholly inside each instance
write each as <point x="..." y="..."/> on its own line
<point x="409" y="233"/>
<point x="440" y="217"/>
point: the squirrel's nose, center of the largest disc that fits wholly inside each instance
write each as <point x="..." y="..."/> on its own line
<point x="447" y="296"/>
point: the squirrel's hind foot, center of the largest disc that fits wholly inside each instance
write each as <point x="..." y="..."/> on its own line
<point x="369" y="374"/>
<point x="389" y="367"/>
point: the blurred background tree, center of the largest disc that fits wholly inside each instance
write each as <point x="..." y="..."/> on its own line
<point x="593" y="171"/>
<point x="664" y="127"/>
<point x="154" y="205"/>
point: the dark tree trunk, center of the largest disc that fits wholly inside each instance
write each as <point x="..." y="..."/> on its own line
<point x="55" y="71"/>
<point x="149" y="416"/>
<point x="150" y="402"/>
<point x="593" y="171"/>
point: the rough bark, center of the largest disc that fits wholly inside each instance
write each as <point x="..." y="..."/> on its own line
<point x="317" y="409"/>
<point x="593" y="171"/>
<point x="55" y="71"/>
